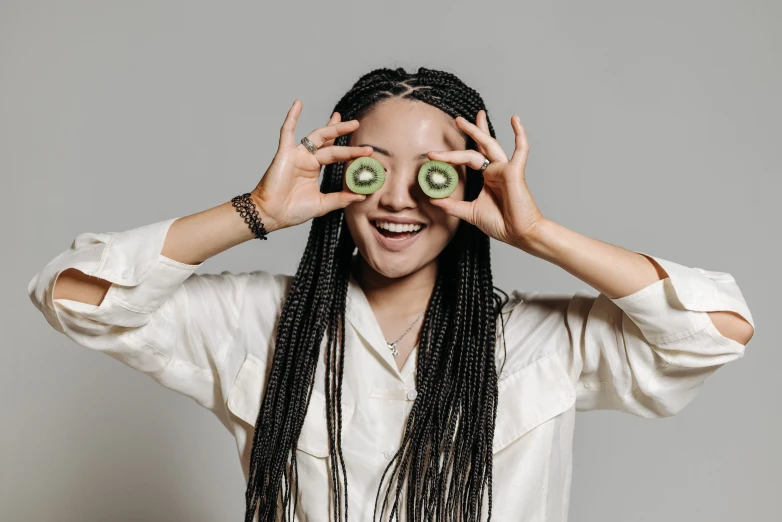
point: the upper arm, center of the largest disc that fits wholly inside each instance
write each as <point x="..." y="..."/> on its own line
<point x="647" y="353"/>
<point x="77" y="286"/>
<point x="158" y="316"/>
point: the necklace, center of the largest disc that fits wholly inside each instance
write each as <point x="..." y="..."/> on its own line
<point x="392" y="345"/>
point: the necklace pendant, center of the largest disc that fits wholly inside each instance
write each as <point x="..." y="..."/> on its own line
<point x="392" y="347"/>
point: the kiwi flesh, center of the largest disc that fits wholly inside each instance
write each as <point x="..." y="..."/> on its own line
<point x="365" y="175"/>
<point x="438" y="179"/>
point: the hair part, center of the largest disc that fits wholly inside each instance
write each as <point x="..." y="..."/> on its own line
<point x="445" y="459"/>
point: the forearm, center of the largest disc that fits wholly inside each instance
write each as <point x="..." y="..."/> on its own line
<point x="612" y="270"/>
<point x="190" y="240"/>
<point x="195" y="238"/>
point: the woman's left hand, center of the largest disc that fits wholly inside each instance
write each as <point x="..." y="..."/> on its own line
<point x="505" y="209"/>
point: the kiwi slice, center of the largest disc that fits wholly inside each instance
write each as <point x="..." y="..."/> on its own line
<point x="438" y="179"/>
<point x="365" y="175"/>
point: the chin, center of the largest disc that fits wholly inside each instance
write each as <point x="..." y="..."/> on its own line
<point x="392" y="268"/>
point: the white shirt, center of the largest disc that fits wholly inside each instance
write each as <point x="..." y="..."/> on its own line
<point x="210" y="337"/>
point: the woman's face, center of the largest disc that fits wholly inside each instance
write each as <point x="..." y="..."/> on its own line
<point x="402" y="132"/>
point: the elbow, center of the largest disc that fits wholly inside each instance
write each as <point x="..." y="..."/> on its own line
<point x="32" y="292"/>
<point x="746" y="334"/>
<point x="733" y="326"/>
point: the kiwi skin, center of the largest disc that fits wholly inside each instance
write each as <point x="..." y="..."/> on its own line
<point x="365" y="175"/>
<point x="438" y="179"/>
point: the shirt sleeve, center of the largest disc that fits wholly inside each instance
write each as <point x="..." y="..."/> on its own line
<point x="158" y="316"/>
<point x="647" y="353"/>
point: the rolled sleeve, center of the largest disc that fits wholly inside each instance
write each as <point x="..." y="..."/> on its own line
<point x="650" y="352"/>
<point x="126" y="259"/>
<point x="672" y="314"/>
<point x="143" y="320"/>
<point x="158" y="316"/>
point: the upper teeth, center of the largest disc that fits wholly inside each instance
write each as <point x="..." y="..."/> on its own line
<point x="397" y="227"/>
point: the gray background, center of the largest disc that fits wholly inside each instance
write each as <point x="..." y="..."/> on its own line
<point x="653" y="125"/>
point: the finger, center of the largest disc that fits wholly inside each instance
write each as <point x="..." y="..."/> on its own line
<point x="320" y="136"/>
<point x="288" y="129"/>
<point x="493" y="149"/>
<point x="483" y="123"/>
<point x="335" y="118"/>
<point x="469" y="157"/>
<point x="335" y="200"/>
<point x="522" y="145"/>
<point x="455" y="207"/>
<point x="341" y="153"/>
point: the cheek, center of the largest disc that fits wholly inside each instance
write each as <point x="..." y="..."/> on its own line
<point x="451" y="222"/>
<point x="444" y="226"/>
<point x="355" y="217"/>
<point x="352" y="214"/>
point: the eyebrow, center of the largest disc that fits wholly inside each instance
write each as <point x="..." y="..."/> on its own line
<point x="384" y="152"/>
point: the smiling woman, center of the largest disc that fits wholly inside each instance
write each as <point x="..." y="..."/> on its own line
<point x="341" y="399"/>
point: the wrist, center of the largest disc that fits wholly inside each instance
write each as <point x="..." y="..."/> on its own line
<point x="251" y="217"/>
<point x="540" y="239"/>
<point x="269" y="224"/>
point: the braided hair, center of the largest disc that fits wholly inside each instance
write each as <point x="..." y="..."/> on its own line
<point x="445" y="458"/>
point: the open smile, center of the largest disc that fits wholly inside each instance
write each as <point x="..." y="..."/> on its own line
<point x="396" y="236"/>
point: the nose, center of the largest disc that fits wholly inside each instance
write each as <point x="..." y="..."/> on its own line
<point x="397" y="193"/>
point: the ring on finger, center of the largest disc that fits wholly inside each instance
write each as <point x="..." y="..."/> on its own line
<point x="485" y="164"/>
<point x="309" y="145"/>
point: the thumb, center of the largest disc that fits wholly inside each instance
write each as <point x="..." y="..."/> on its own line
<point x="335" y="200"/>
<point x="455" y="207"/>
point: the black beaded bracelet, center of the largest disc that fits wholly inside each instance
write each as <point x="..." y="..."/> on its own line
<point x="247" y="209"/>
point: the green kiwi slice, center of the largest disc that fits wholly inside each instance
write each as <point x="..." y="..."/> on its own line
<point x="438" y="179"/>
<point x="365" y="175"/>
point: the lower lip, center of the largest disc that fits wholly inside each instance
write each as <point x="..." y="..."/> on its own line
<point x="394" y="245"/>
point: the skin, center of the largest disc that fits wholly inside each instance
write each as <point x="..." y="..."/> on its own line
<point x="398" y="284"/>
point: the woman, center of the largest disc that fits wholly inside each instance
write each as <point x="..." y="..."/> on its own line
<point x="387" y="379"/>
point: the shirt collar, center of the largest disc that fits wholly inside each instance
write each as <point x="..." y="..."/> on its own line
<point x="359" y="313"/>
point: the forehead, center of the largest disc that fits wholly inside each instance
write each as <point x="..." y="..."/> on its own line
<point x="408" y="126"/>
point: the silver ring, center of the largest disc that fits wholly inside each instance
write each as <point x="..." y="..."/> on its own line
<point x="485" y="164"/>
<point x="307" y="143"/>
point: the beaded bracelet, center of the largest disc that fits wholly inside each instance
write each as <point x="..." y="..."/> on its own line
<point x="247" y="209"/>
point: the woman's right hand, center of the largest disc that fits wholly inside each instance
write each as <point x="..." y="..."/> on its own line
<point x="289" y="193"/>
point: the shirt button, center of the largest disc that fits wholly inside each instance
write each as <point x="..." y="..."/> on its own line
<point x="126" y="273"/>
<point x="412" y="394"/>
<point x="388" y="455"/>
<point x="503" y="375"/>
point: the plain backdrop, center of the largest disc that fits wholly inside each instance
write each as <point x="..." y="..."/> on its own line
<point x="653" y="125"/>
